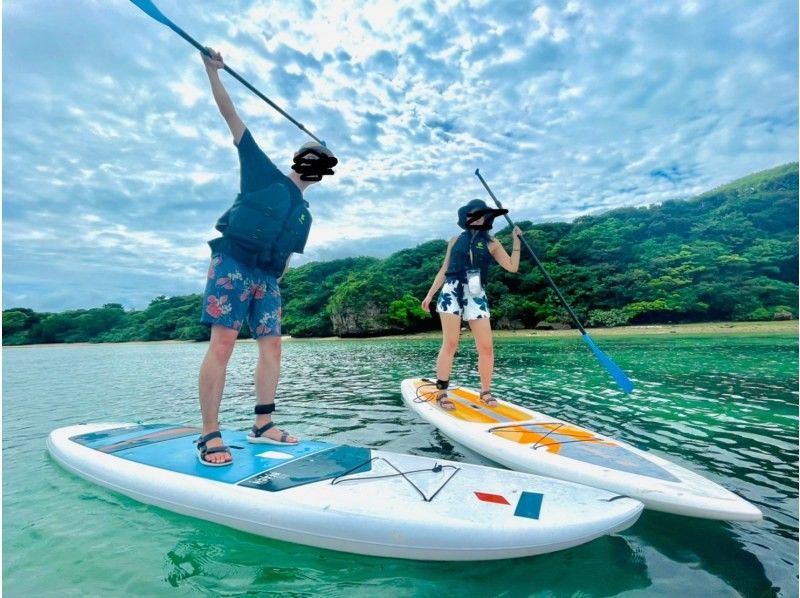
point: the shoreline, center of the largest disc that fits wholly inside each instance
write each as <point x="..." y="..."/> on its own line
<point x="786" y="327"/>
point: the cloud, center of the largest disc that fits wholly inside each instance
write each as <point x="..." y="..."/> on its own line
<point x="116" y="162"/>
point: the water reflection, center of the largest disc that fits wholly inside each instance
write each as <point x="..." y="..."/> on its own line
<point x="713" y="546"/>
<point x="210" y="561"/>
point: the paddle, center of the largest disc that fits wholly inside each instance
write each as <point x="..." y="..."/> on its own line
<point x="613" y="369"/>
<point x="152" y="10"/>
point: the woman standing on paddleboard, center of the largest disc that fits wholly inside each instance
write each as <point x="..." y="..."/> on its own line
<point x="464" y="276"/>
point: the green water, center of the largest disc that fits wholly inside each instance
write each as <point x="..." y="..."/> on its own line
<point x="725" y="407"/>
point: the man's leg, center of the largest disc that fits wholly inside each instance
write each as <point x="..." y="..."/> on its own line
<point x="268" y="371"/>
<point x="212" y="382"/>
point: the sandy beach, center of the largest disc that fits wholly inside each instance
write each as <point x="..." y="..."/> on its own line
<point x="788" y="327"/>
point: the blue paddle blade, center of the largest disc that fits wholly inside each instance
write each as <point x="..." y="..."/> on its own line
<point x="152" y="10"/>
<point x="624" y="382"/>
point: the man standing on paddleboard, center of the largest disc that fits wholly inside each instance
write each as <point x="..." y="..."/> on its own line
<point x="268" y="221"/>
<point x="463" y="278"/>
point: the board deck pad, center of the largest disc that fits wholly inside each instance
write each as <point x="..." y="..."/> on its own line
<point x="174" y="448"/>
<point x="566" y="440"/>
<point x="548" y="436"/>
<point x="267" y="467"/>
<point x="105" y="438"/>
<point x="470" y="408"/>
<point x="150" y="438"/>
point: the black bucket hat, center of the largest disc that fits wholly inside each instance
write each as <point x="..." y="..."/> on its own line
<point x="474" y="210"/>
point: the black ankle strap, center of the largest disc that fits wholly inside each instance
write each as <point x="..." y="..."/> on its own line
<point x="442" y="384"/>
<point x="257" y="432"/>
<point x="265" y="409"/>
<point x="209" y="436"/>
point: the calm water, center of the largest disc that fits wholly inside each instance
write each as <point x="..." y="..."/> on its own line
<point x="725" y="407"/>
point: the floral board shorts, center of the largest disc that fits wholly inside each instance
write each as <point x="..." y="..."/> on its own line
<point x="235" y="292"/>
<point x="456" y="299"/>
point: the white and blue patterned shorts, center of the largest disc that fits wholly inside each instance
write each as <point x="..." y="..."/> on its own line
<point x="456" y="299"/>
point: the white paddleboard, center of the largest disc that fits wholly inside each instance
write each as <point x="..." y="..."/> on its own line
<point x="345" y="498"/>
<point x="526" y="440"/>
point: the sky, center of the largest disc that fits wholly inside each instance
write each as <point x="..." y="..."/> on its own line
<point x="117" y="164"/>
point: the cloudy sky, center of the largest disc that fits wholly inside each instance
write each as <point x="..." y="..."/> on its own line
<point x="116" y="163"/>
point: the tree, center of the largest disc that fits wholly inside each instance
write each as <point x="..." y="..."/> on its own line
<point x="13" y="322"/>
<point x="406" y="312"/>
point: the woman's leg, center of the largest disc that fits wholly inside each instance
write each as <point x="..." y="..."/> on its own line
<point x="451" y="330"/>
<point x="482" y="331"/>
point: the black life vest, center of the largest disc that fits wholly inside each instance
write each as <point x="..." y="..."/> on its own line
<point x="263" y="228"/>
<point x="470" y="251"/>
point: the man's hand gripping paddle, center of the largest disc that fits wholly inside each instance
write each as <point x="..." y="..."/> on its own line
<point x="310" y="169"/>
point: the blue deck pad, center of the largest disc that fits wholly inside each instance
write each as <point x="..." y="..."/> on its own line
<point x="529" y="505"/>
<point x="151" y="438"/>
<point x="324" y="465"/>
<point x="104" y="438"/>
<point x="599" y="453"/>
<point x="180" y="454"/>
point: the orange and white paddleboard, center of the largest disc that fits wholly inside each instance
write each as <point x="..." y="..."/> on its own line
<point x="533" y="442"/>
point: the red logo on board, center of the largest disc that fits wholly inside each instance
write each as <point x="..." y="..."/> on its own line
<point x="495" y="498"/>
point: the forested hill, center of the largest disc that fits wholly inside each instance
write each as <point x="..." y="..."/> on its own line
<point x="729" y="254"/>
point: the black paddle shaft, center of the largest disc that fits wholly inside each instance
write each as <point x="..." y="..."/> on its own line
<point x="241" y="80"/>
<point x="533" y="255"/>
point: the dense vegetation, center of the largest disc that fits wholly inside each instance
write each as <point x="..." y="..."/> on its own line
<point x="729" y="254"/>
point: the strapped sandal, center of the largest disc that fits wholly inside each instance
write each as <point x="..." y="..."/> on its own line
<point x="203" y="450"/>
<point x="491" y="401"/>
<point x="444" y="402"/>
<point x="441" y="396"/>
<point x="257" y="437"/>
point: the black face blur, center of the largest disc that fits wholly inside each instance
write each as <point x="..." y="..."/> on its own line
<point x="476" y="221"/>
<point x="312" y="164"/>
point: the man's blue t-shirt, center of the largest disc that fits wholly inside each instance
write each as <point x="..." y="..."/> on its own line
<point x="256" y="171"/>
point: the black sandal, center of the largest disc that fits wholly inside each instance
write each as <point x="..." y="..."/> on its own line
<point x="491" y="401"/>
<point x="203" y="450"/>
<point x="257" y="437"/>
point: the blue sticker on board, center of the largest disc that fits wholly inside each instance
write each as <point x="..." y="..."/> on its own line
<point x="529" y="505"/>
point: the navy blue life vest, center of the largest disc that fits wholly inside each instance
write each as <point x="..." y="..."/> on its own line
<point x="263" y="228"/>
<point x="470" y="251"/>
